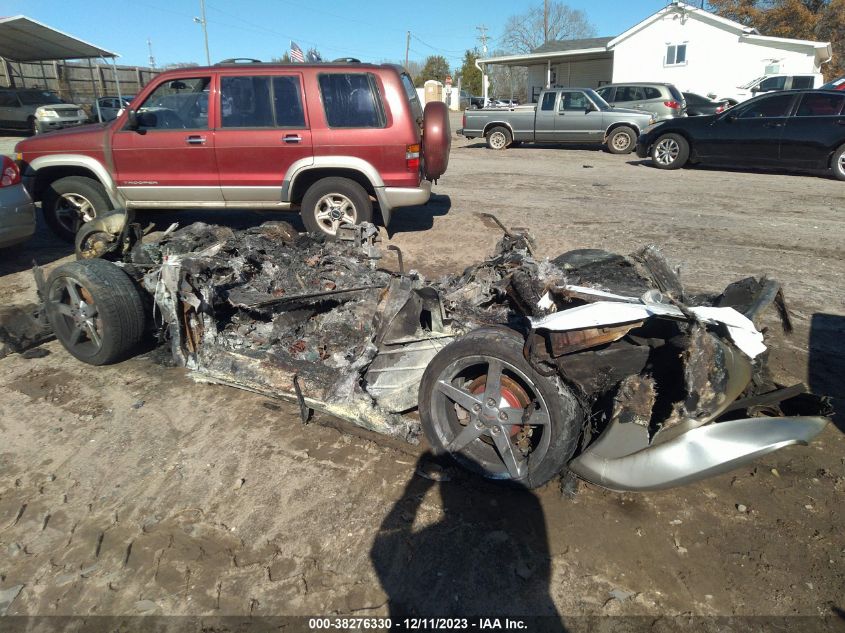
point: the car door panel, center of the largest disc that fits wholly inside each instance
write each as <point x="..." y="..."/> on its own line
<point x="170" y="158"/>
<point x="263" y="131"/>
<point x="578" y="120"/>
<point x="817" y="128"/>
<point x="544" y="120"/>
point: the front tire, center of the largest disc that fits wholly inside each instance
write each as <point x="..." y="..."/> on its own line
<point x="96" y="311"/>
<point x="837" y="163"/>
<point x="483" y="404"/>
<point x="499" y="138"/>
<point x="330" y="202"/>
<point x="621" y="140"/>
<point x="670" y="151"/>
<point x="70" y="202"/>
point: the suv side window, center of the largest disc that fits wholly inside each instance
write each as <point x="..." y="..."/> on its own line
<point x="802" y="82"/>
<point x="176" y="104"/>
<point x="770" y="107"/>
<point x="629" y="93"/>
<point x="549" y="101"/>
<point x="820" y="104"/>
<point x="652" y="93"/>
<point x="261" y="102"/>
<point x="605" y="93"/>
<point x="772" y="83"/>
<point x="8" y="100"/>
<point x="351" y="100"/>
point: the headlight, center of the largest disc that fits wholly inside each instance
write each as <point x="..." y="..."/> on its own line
<point x="81" y="113"/>
<point x="45" y="113"/>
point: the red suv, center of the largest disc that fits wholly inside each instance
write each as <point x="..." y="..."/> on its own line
<point x="327" y="139"/>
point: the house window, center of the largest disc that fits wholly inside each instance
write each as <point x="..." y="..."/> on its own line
<point x="676" y="54"/>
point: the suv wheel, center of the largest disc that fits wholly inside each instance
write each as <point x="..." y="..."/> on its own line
<point x="330" y="202"/>
<point x="498" y="138"/>
<point x="621" y="140"/>
<point x="670" y="151"/>
<point x="838" y="163"/>
<point x="70" y="202"/>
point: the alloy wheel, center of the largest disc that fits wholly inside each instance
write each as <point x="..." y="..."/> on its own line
<point x="73" y="210"/>
<point x="334" y="209"/>
<point x="79" y="322"/>
<point x="666" y="151"/>
<point x="498" y="140"/>
<point x="621" y="142"/>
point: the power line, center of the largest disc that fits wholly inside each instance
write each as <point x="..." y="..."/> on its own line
<point x="482" y="37"/>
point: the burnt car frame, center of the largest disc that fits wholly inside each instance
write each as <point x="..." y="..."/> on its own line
<point x="520" y="368"/>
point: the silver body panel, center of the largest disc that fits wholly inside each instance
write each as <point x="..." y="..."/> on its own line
<point x="17" y="215"/>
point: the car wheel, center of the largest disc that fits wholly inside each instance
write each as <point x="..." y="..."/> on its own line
<point x="330" y="202"/>
<point x="670" y="151"/>
<point x="838" y="163"/>
<point x="621" y="141"/>
<point x="483" y="404"/>
<point x="70" y="202"/>
<point x="95" y="310"/>
<point x="498" y="138"/>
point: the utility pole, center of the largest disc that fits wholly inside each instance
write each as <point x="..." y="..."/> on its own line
<point x="150" y="48"/>
<point x="545" y="21"/>
<point x="202" y="21"/>
<point x="482" y="31"/>
<point x="407" y="48"/>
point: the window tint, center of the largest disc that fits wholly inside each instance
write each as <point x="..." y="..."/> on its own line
<point x="802" y="83"/>
<point x="245" y="102"/>
<point x="772" y="83"/>
<point x="629" y="93"/>
<point x="774" y="106"/>
<point x="38" y="97"/>
<point x="651" y="93"/>
<point x="549" y="101"/>
<point x="820" y="104"/>
<point x="8" y="99"/>
<point x="177" y="104"/>
<point x="676" y="54"/>
<point x="413" y="97"/>
<point x="676" y="94"/>
<point x="351" y="100"/>
<point x="574" y="101"/>
<point x="604" y="93"/>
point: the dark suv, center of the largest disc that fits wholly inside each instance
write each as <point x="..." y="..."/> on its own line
<point x="327" y="139"/>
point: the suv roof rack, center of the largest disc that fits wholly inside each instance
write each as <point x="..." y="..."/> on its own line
<point x="239" y="60"/>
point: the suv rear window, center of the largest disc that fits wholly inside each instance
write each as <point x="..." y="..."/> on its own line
<point x="676" y="94"/>
<point x="351" y="100"/>
<point x="652" y="93"/>
<point x="259" y="102"/>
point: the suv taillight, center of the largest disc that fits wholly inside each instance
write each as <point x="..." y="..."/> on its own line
<point x="464" y="120"/>
<point x="10" y="174"/>
<point x="672" y="104"/>
<point x="412" y="158"/>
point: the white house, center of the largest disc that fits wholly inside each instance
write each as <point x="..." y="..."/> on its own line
<point x="694" y="49"/>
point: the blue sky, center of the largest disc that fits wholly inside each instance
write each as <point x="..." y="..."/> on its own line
<point x="372" y="30"/>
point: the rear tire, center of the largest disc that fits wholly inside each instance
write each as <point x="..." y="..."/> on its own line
<point x="670" y="151"/>
<point x="524" y="453"/>
<point x="622" y="140"/>
<point x="837" y="163"/>
<point x="96" y="311"/>
<point x="499" y="138"/>
<point x="70" y="202"/>
<point x="330" y="202"/>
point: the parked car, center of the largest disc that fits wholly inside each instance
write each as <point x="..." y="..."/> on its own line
<point x="800" y="128"/>
<point x="563" y="115"/>
<point x="37" y="110"/>
<point x="770" y="83"/>
<point x="464" y="100"/>
<point x="109" y="107"/>
<point x="699" y="106"/>
<point x="17" y="213"/>
<point x="664" y="100"/>
<point x="836" y="84"/>
<point x="322" y="138"/>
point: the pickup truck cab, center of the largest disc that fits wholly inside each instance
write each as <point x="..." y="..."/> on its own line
<point x="771" y="83"/>
<point x="563" y="115"/>
<point x="327" y="139"/>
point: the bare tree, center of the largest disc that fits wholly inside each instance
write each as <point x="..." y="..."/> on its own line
<point x="526" y="31"/>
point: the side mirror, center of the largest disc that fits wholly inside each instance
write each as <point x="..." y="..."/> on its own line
<point x="132" y="119"/>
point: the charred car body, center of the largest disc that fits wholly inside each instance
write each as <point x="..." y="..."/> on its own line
<point x="519" y="368"/>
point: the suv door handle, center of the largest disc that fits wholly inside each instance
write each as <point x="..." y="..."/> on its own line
<point x="195" y="140"/>
<point x="292" y="138"/>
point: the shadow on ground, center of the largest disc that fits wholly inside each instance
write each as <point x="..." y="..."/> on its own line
<point x="826" y="365"/>
<point x="486" y="554"/>
<point x="646" y="162"/>
<point x="421" y="218"/>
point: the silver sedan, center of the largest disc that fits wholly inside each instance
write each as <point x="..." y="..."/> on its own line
<point x="17" y="212"/>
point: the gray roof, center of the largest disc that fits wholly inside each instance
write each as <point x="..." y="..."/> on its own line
<point x="572" y="45"/>
<point x="23" y="39"/>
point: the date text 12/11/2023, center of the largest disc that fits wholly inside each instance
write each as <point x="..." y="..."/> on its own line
<point x="417" y="624"/>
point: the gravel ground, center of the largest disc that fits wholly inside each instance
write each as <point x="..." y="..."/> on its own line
<point x="131" y="490"/>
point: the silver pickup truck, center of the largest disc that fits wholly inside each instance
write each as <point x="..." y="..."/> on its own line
<point x="563" y="115"/>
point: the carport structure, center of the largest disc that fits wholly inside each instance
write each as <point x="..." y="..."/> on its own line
<point x="24" y="40"/>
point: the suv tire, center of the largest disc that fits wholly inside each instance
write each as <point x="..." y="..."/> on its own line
<point x="621" y="140"/>
<point x="70" y="202"/>
<point x="499" y="138"/>
<point x="670" y="151"/>
<point x="332" y="201"/>
<point x="837" y="163"/>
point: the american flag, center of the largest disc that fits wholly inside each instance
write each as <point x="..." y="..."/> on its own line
<point x="296" y="53"/>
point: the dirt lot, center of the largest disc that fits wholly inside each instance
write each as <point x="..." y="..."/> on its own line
<point x="131" y="490"/>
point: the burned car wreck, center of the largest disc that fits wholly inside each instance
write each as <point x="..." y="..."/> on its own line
<point x="519" y="368"/>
